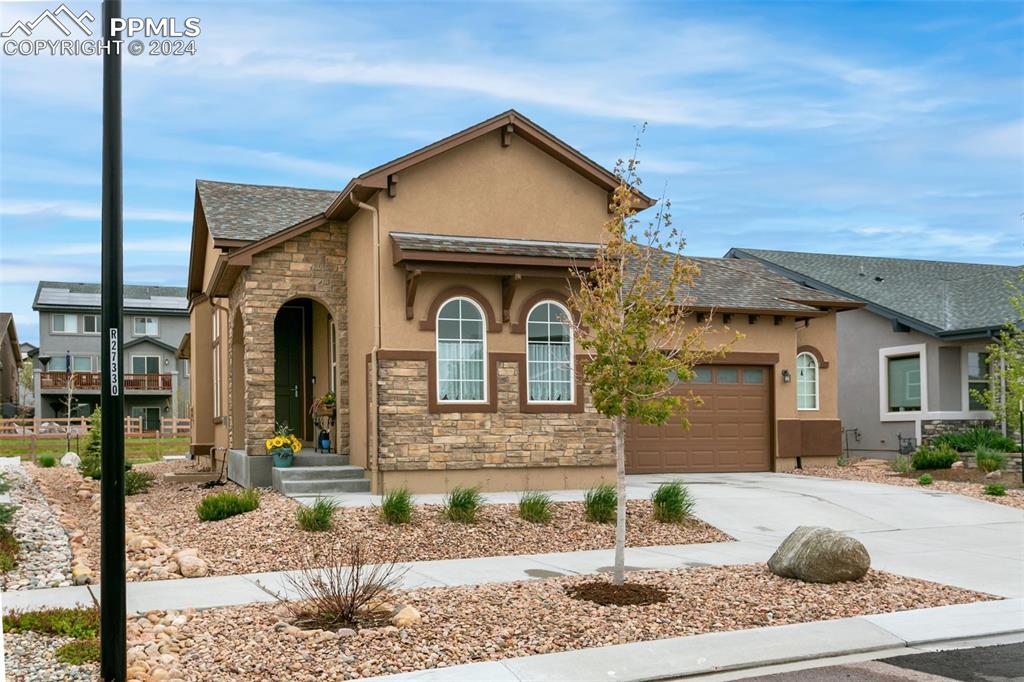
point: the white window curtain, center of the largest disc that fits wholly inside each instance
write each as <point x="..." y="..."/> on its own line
<point x="806" y="382"/>
<point x="461" y="354"/>
<point x="549" y="367"/>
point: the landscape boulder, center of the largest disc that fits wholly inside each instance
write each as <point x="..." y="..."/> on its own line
<point x="70" y="459"/>
<point x="820" y="555"/>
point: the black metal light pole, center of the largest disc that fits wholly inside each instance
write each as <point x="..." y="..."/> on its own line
<point x="113" y="649"/>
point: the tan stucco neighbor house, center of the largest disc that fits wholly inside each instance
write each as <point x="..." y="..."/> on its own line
<point x="428" y="296"/>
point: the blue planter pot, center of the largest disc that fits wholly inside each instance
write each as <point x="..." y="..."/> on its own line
<point x="283" y="457"/>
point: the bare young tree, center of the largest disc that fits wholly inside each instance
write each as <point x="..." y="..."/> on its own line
<point x="634" y="326"/>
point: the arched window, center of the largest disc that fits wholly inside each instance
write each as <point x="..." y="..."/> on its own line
<point x="806" y="382"/>
<point x="461" y="352"/>
<point x="549" y="366"/>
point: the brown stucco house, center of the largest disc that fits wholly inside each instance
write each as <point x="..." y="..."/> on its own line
<point x="427" y="296"/>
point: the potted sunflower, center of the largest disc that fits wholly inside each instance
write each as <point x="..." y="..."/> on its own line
<point x="283" y="445"/>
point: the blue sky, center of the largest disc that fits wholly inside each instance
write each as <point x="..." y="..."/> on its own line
<point x="872" y="128"/>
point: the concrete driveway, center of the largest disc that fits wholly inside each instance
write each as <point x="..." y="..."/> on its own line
<point x="937" y="536"/>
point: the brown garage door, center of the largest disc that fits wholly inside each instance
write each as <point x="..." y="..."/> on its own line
<point x="731" y="431"/>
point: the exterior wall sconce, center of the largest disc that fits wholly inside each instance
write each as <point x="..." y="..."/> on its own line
<point x="786" y="376"/>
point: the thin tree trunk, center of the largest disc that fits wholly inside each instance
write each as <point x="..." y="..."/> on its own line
<point x="620" y="506"/>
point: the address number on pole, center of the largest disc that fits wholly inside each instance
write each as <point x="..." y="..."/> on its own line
<point x="115" y="369"/>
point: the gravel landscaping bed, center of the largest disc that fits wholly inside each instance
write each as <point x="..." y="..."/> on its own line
<point x="489" y="622"/>
<point x="270" y="539"/>
<point x="29" y="657"/>
<point x="44" y="558"/>
<point x="1014" y="496"/>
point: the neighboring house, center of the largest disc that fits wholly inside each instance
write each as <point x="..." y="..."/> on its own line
<point x="155" y="380"/>
<point x="26" y="396"/>
<point x="909" y="359"/>
<point x="10" y="365"/>
<point x="428" y="295"/>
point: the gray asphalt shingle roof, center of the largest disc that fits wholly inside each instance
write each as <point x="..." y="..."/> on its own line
<point x="945" y="297"/>
<point x="252" y="212"/>
<point x="437" y="243"/>
<point x="738" y="285"/>
<point x="86" y="295"/>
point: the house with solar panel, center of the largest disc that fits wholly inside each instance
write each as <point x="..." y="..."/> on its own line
<point x="156" y="381"/>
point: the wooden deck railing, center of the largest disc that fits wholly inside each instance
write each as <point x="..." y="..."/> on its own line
<point x="91" y="381"/>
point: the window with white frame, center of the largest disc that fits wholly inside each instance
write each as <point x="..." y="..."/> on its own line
<point x="64" y="323"/>
<point x="144" y="326"/>
<point x="549" y="369"/>
<point x="91" y="324"/>
<point x="903" y="378"/>
<point x="334" y="358"/>
<point x="185" y="366"/>
<point x="217" y="407"/>
<point x="806" y="382"/>
<point x="461" y="352"/>
<point x="977" y="379"/>
<point x="145" y="364"/>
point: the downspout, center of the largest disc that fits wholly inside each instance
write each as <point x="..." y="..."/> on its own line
<point x="372" y="436"/>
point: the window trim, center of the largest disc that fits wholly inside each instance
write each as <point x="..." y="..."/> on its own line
<point x="966" y="381"/>
<point x="98" y="324"/>
<point x="437" y="354"/>
<point x="884" y="354"/>
<point x="817" y="382"/>
<point x="156" y="325"/>
<point x="64" y="316"/>
<point x="572" y="354"/>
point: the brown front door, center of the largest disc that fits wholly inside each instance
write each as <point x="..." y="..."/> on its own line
<point x="731" y="431"/>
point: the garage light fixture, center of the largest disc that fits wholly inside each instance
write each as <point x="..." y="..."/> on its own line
<point x="786" y="376"/>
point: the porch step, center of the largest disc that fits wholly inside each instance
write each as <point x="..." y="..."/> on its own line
<point x="308" y="458"/>
<point x="324" y="486"/>
<point x="319" y="479"/>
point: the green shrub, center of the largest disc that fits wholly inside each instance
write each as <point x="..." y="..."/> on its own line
<point x="989" y="460"/>
<point x="94" y="441"/>
<point x="46" y="461"/>
<point x="91" y="467"/>
<point x="78" y="623"/>
<point x="9" y="548"/>
<point x="535" y="507"/>
<point x="995" y="489"/>
<point x="318" y="516"/>
<point x="137" y="482"/>
<point x="901" y="464"/>
<point x="932" y="457"/>
<point x="977" y="437"/>
<point x="396" y="507"/>
<point x="220" y="506"/>
<point x="79" y="651"/>
<point x="672" y="502"/>
<point x="925" y="479"/>
<point x="5" y="486"/>
<point x="7" y="513"/>
<point x="599" y="504"/>
<point x="462" y="504"/>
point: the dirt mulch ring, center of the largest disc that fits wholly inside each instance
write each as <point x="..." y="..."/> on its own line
<point x="490" y="622"/>
<point x="270" y="539"/>
<point x="944" y="480"/>
<point x="607" y="594"/>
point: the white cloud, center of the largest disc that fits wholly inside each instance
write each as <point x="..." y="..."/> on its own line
<point x="999" y="141"/>
<point x="83" y="210"/>
<point x="169" y="245"/>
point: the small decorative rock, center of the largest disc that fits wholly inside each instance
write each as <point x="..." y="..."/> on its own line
<point x="192" y="566"/>
<point x="405" y="617"/>
<point x="820" y="555"/>
<point x="957" y="465"/>
<point x="994" y="474"/>
<point x="70" y="459"/>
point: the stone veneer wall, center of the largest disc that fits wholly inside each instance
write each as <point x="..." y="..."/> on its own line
<point x="312" y="265"/>
<point x="936" y="427"/>
<point x="411" y="438"/>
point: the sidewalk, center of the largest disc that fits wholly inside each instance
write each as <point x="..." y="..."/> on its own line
<point x="234" y="590"/>
<point x="884" y="634"/>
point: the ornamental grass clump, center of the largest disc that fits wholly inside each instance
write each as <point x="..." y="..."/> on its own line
<point x="396" y="507"/>
<point x="137" y="482"/>
<point x="599" y="504"/>
<point x="220" y="506"/>
<point x="901" y="464"/>
<point x="935" y="457"/>
<point x="995" y="489"/>
<point x="977" y="437"/>
<point x="988" y="460"/>
<point x="672" y="502"/>
<point x="318" y="516"/>
<point x="462" y="504"/>
<point x="925" y="479"/>
<point x="46" y="461"/>
<point x="535" y="507"/>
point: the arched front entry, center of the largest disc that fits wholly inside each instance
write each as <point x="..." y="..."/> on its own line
<point x="302" y="364"/>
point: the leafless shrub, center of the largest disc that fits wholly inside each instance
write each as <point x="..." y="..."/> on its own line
<point x="337" y="587"/>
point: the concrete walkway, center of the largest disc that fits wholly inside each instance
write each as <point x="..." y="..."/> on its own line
<point x="886" y="634"/>
<point x="927" y="534"/>
<point x="233" y="590"/>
